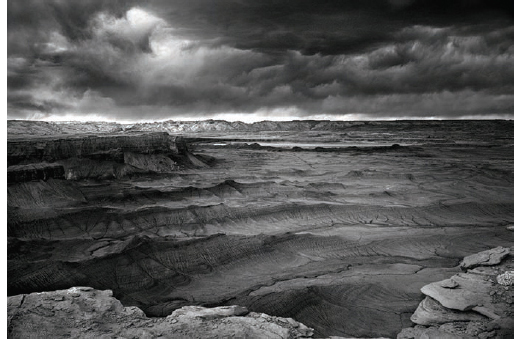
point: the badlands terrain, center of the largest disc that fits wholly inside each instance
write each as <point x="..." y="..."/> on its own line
<point x="337" y="225"/>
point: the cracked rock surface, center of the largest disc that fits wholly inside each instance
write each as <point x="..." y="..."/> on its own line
<point x="485" y="258"/>
<point x="83" y="312"/>
<point x="468" y="305"/>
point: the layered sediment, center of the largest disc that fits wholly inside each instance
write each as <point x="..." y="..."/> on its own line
<point x="96" y="156"/>
<point x="34" y="172"/>
<point x="99" y="147"/>
<point x="340" y="240"/>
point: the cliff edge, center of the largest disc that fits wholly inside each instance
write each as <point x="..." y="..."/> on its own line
<point x="83" y="312"/>
<point x="101" y="156"/>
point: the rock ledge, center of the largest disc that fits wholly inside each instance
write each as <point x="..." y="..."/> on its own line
<point x="83" y="312"/>
<point x="474" y="304"/>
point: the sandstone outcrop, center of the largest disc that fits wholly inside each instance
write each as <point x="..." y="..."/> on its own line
<point x="485" y="258"/>
<point x="83" y="312"/>
<point x="431" y="312"/>
<point x="475" y="304"/>
<point x="102" y="156"/>
<point x="100" y="147"/>
<point x="34" y="172"/>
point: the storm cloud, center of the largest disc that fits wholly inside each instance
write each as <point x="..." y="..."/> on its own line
<point x="131" y="60"/>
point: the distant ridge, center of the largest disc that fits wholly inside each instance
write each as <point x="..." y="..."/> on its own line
<point x="40" y="128"/>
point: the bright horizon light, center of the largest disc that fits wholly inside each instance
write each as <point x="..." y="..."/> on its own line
<point x="256" y="117"/>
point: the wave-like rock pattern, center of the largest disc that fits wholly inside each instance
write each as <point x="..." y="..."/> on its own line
<point x="44" y="194"/>
<point x="342" y="241"/>
<point x="207" y="220"/>
<point x="160" y="276"/>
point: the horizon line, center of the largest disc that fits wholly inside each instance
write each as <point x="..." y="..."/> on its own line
<point x="251" y="119"/>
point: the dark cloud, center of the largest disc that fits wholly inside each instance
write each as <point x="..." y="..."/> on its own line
<point x="327" y="27"/>
<point x="159" y="59"/>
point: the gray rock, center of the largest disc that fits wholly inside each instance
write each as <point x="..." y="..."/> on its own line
<point x="431" y="312"/>
<point x="468" y="305"/>
<point x="420" y="332"/>
<point x="83" y="312"/>
<point x="449" y="283"/>
<point x="506" y="279"/>
<point x="473" y="291"/>
<point x="485" y="258"/>
<point x="209" y="313"/>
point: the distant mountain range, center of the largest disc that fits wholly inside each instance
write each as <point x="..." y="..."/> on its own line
<point x="26" y="127"/>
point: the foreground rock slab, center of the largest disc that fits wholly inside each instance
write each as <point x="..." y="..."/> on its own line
<point x="485" y="258"/>
<point x="83" y="312"/>
<point x="475" y="304"/>
<point x="431" y="312"/>
<point x="473" y="291"/>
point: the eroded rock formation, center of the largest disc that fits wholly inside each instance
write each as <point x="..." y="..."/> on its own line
<point x="475" y="304"/>
<point x="34" y="172"/>
<point x="339" y="238"/>
<point x="83" y="312"/>
<point x="101" y="147"/>
<point x="101" y="156"/>
<point x="485" y="258"/>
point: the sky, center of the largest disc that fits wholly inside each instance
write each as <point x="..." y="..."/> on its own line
<point x="252" y="60"/>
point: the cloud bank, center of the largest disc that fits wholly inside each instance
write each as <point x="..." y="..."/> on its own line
<point x="152" y="60"/>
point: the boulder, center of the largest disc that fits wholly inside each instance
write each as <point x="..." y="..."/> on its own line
<point x="506" y="279"/>
<point x="473" y="294"/>
<point x="485" y="258"/>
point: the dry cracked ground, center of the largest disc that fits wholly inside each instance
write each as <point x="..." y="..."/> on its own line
<point x="335" y="226"/>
